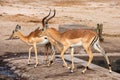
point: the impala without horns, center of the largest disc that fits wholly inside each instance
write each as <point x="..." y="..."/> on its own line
<point x="32" y="40"/>
<point x="72" y="38"/>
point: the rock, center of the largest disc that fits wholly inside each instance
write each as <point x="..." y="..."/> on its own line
<point x="13" y="68"/>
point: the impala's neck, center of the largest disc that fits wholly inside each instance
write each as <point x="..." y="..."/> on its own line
<point x="53" y="33"/>
<point x="54" y="36"/>
<point x="22" y="37"/>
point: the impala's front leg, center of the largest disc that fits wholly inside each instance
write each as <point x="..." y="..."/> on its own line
<point x="29" y="57"/>
<point x="62" y="56"/>
<point x="72" y="58"/>
<point x="35" y="49"/>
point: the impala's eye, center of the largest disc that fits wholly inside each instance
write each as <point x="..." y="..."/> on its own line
<point x="45" y="38"/>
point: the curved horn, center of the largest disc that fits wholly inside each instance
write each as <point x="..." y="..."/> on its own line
<point x="46" y="23"/>
<point x="43" y="20"/>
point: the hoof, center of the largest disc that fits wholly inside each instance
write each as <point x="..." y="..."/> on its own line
<point x="51" y="62"/>
<point x="69" y="68"/>
<point x="63" y="65"/>
<point x="83" y="72"/>
<point x="110" y="71"/>
<point x="35" y="66"/>
<point x="28" y="64"/>
<point x="71" y="71"/>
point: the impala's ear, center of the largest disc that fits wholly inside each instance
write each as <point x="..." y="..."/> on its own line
<point x="17" y="27"/>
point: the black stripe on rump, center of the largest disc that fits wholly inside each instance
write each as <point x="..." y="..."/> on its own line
<point x="94" y="40"/>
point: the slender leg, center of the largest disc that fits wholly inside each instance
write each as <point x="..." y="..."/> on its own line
<point x="62" y="56"/>
<point x="35" y="49"/>
<point x="72" y="58"/>
<point x="53" y="55"/>
<point x="47" y="57"/>
<point x="46" y="54"/>
<point x="29" y="55"/>
<point x="89" y="52"/>
<point x="101" y="50"/>
<point x="53" y="50"/>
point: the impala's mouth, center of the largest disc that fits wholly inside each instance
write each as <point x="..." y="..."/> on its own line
<point x="15" y="38"/>
<point x="8" y="39"/>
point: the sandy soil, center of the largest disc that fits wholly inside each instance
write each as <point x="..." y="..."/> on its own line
<point x="28" y="14"/>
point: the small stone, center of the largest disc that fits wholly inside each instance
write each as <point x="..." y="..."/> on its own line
<point x="17" y="71"/>
<point x="25" y="75"/>
<point x="13" y="68"/>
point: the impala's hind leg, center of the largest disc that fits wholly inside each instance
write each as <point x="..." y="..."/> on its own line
<point x="46" y="57"/>
<point x="89" y="52"/>
<point x="72" y="58"/>
<point x="29" y="56"/>
<point x="101" y="50"/>
<point x="52" y="55"/>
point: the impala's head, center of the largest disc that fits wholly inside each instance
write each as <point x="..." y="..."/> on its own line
<point x="45" y="21"/>
<point x="15" y="33"/>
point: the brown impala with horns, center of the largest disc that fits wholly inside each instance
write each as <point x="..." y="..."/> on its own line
<point x="72" y="38"/>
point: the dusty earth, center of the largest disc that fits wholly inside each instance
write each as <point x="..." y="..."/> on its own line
<point x="28" y="14"/>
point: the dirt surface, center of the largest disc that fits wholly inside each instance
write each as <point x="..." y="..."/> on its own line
<point x="28" y="14"/>
<point x="56" y="71"/>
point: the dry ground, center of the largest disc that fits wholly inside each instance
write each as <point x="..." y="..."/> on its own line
<point x="28" y="14"/>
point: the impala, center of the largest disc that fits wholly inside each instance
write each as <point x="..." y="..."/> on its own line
<point x="31" y="40"/>
<point x="72" y="38"/>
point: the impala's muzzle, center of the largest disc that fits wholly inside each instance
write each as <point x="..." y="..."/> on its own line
<point x="11" y="38"/>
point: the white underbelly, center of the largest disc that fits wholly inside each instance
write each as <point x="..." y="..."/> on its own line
<point x="45" y="41"/>
<point x="77" y="44"/>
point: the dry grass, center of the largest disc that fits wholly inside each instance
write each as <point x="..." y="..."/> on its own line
<point x="69" y="2"/>
<point x="101" y="0"/>
<point x="20" y="18"/>
<point x="111" y="35"/>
